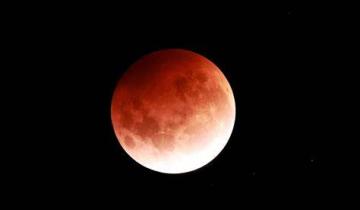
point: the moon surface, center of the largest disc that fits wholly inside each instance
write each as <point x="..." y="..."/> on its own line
<point x="173" y="111"/>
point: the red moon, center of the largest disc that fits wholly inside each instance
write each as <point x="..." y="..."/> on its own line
<point x="173" y="111"/>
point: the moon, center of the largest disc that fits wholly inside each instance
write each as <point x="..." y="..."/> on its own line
<point x="173" y="111"/>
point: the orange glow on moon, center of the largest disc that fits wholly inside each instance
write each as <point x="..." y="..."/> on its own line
<point x="173" y="111"/>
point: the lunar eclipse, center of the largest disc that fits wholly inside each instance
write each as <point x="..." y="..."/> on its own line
<point x="173" y="111"/>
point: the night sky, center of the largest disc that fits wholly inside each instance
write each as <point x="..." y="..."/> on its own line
<point x="273" y="57"/>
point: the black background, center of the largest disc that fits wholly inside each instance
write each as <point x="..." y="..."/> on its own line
<point x="275" y="57"/>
